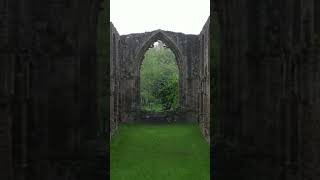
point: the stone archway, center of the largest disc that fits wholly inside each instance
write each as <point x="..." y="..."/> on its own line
<point x="131" y="53"/>
<point x="160" y="35"/>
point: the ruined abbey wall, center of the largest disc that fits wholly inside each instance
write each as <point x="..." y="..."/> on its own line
<point x="204" y="81"/>
<point x="267" y="125"/>
<point x="115" y="75"/>
<point x="186" y="49"/>
<point x="48" y="123"/>
<point x="267" y="121"/>
<point x="192" y="56"/>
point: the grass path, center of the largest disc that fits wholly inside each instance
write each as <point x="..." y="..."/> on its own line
<point x="159" y="152"/>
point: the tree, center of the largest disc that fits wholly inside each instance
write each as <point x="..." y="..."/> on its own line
<point x="159" y="80"/>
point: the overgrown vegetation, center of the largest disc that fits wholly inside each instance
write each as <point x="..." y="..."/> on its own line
<point x="159" y="152"/>
<point x="159" y="80"/>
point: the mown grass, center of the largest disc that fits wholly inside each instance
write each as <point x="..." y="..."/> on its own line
<point x="159" y="152"/>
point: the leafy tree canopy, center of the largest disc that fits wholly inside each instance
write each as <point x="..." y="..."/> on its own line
<point x="159" y="79"/>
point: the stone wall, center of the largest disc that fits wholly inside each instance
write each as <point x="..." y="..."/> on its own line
<point x="268" y="109"/>
<point x="115" y="74"/>
<point x="48" y="124"/>
<point x="186" y="50"/>
<point x="192" y="56"/>
<point x="268" y="88"/>
<point x="204" y="84"/>
<point x="6" y="92"/>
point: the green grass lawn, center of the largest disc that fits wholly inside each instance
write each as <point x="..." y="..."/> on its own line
<point x="159" y="152"/>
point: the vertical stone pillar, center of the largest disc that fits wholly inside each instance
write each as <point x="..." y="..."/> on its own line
<point x="6" y="116"/>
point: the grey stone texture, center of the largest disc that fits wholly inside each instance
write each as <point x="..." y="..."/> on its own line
<point x="115" y="92"/>
<point x="192" y="56"/>
<point x="48" y="123"/>
<point x="186" y="50"/>
<point x="267" y="123"/>
<point x="203" y="92"/>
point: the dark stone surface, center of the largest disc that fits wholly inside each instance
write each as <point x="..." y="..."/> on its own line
<point x="115" y="98"/>
<point x="48" y="91"/>
<point x="162" y="117"/>
<point x="268" y="90"/>
<point x="268" y="87"/>
<point x="49" y="125"/>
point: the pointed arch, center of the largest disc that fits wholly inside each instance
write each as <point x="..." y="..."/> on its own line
<point x="160" y="35"/>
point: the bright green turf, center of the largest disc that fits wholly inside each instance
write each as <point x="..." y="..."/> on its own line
<point x="159" y="152"/>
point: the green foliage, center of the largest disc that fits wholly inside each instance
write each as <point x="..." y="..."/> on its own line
<point x="159" y="152"/>
<point x="159" y="80"/>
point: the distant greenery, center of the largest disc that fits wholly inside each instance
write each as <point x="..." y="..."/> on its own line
<point x="159" y="152"/>
<point x="159" y="80"/>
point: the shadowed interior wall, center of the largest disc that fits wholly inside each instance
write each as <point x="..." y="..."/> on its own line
<point x="115" y="75"/>
<point x="268" y="109"/>
<point x="268" y="88"/>
<point x="50" y="126"/>
<point x="48" y="121"/>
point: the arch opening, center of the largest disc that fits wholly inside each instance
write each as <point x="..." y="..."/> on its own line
<point x="161" y="36"/>
<point x="166" y="40"/>
<point x="159" y="79"/>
